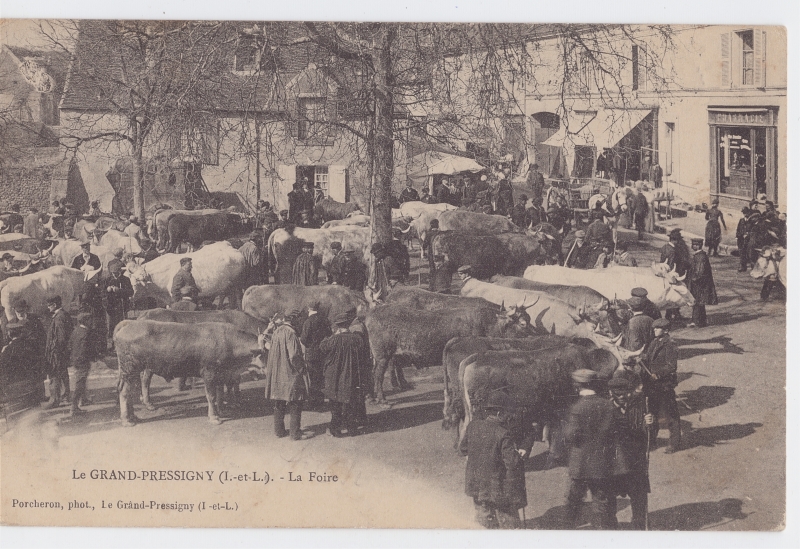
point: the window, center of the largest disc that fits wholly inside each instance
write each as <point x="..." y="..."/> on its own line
<point x="639" y="67"/>
<point x="310" y="110"/>
<point x="747" y="57"/>
<point x="585" y="71"/>
<point x="670" y="133"/>
<point x="321" y="179"/>
<point x="247" y="53"/>
<point x="735" y="161"/>
<point x="201" y="142"/>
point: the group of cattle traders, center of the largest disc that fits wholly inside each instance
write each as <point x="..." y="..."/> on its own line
<point x="611" y="426"/>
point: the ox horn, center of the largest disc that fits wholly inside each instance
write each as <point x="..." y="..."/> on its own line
<point x="532" y="304"/>
<point x="680" y="278"/>
<point x="406" y="231"/>
<point x="503" y="305"/>
<point x="637" y="353"/>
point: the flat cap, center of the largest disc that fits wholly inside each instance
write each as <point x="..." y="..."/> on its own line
<point x="675" y="233"/>
<point x="580" y="234"/>
<point x="661" y="323"/>
<point x="185" y="260"/>
<point x="697" y="241"/>
<point x="639" y="292"/>
<point x="636" y="303"/>
<point x="620" y="382"/>
<point x="584" y="375"/>
<point x="465" y="269"/>
<point x="344" y="318"/>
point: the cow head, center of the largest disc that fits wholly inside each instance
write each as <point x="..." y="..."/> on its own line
<point x="139" y="277"/>
<point x="612" y="345"/>
<point x="513" y="322"/>
<point x="677" y="295"/>
<point x="767" y="264"/>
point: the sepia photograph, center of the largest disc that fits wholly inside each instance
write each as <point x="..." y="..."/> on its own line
<point x="262" y="273"/>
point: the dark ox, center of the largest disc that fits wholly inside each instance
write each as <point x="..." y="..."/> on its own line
<point x="539" y="381"/>
<point x="417" y="298"/>
<point x="29" y="246"/>
<point x="197" y="229"/>
<point x="160" y="227"/>
<point x="329" y="209"/>
<point x="263" y="302"/>
<point x="475" y="223"/>
<point x="210" y="350"/>
<point x="602" y="312"/>
<point x="550" y="239"/>
<point x="507" y="253"/>
<point x="419" y="336"/>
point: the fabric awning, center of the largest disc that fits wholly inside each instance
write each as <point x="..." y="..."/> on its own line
<point x="602" y="131"/>
<point x="439" y="163"/>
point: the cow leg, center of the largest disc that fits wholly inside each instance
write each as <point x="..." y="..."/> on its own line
<point x="147" y="377"/>
<point x="212" y="386"/>
<point x="378" y="372"/>
<point x="126" y="414"/>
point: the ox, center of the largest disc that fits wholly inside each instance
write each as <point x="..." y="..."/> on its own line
<point x="11" y="237"/>
<point x="475" y="222"/>
<point x="506" y="253"/>
<point x="66" y="251"/>
<point x="550" y="239"/>
<point x="360" y="220"/>
<point x="200" y="228"/>
<point x="210" y="350"/>
<point x="85" y="229"/>
<point x="216" y="269"/>
<point x="417" y="298"/>
<point x="263" y="302"/>
<point x="551" y="315"/>
<point x="414" y="208"/>
<point x="329" y="209"/>
<point x="284" y="246"/>
<point x="160" y="232"/>
<point x="538" y="380"/>
<point x="113" y="239"/>
<point x="237" y="319"/>
<point x="38" y="287"/>
<point x="771" y="266"/>
<point x="420" y="336"/>
<point x="27" y="245"/>
<point x="616" y="281"/>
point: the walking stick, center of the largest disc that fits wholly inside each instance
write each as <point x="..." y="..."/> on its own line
<point x="647" y="466"/>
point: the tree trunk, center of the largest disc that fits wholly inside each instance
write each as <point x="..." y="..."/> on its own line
<point x="383" y="147"/>
<point x="138" y="182"/>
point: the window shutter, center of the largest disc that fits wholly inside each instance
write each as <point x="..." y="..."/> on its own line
<point x="759" y="58"/>
<point x="642" y="72"/>
<point x="635" y="66"/>
<point x="281" y="187"/>
<point x="725" y="40"/>
<point x="337" y="183"/>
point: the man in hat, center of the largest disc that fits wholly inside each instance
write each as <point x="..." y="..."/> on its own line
<point x="598" y="233"/>
<point x="519" y="213"/>
<point x="283" y="220"/>
<point x="639" y="330"/>
<point x="86" y="258"/>
<point x="590" y="436"/>
<point x="470" y="194"/>
<point x="80" y="359"/>
<point x="91" y="303"/>
<point x="399" y="252"/>
<point x="354" y="272"/>
<point x="307" y="220"/>
<point x="409" y="194"/>
<point x="308" y="198"/>
<point x="443" y="194"/>
<point x="640" y="209"/>
<point x="148" y="253"/>
<point x="631" y="423"/>
<point x="336" y="267"/>
<point x="94" y="209"/>
<point x="426" y="197"/>
<point x="118" y="295"/>
<point x="18" y="360"/>
<point x="15" y="218"/>
<point x="580" y="254"/>
<point x="427" y="242"/>
<point x="464" y="273"/>
<point x="57" y="352"/>
<point x="287" y="375"/>
<point x="713" y="231"/>
<point x="701" y="284"/>
<point x="116" y="261"/>
<point x="385" y="274"/>
<point x="133" y="230"/>
<point x="346" y="368"/>
<point x="7" y="268"/>
<point x="184" y="278"/>
<point x="315" y="328"/>
<point x="536" y="184"/>
<point x="660" y="379"/>
<point x="495" y="475"/>
<point x="295" y="197"/>
<point x="649" y="308"/>
<point x="186" y="302"/>
<point x="253" y="258"/>
<point x="742" y="235"/>
<point x="677" y="256"/>
<point x="306" y="267"/>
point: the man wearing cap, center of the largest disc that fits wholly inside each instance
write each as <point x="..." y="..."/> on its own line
<point x="315" y="328"/>
<point x="86" y="258"/>
<point x="346" y="367"/>
<point x="118" y="294"/>
<point x="306" y="267"/>
<point x="183" y="278"/>
<point x="295" y="197"/>
<point x="399" y="252"/>
<point x="648" y="307"/>
<point x="464" y="273"/>
<point x="116" y="261"/>
<point x="57" y="352"/>
<point x="580" y="254"/>
<point x="426" y="197"/>
<point x="495" y="474"/>
<point x="590" y="436"/>
<point x="80" y="359"/>
<point x="409" y="194"/>
<point x="677" y="256"/>
<point x="742" y="235"/>
<point x="713" y="232"/>
<point x="631" y="423"/>
<point x="253" y="269"/>
<point x="427" y="243"/>
<point x="443" y="194"/>
<point x="639" y="330"/>
<point x="385" y="274"/>
<point x="287" y="376"/>
<point x="283" y="221"/>
<point x="148" y="253"/>
<point x="336" y="266"/>
<point x="354" y="272"/>
<point x="7" y="268"/>
<point x="701" y="284"/>
<point x="598" y="233"/>
<point x="660" y="380"/>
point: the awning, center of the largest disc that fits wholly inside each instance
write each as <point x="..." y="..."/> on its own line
<point x="434" y="162"/>
<point x="602" y="131"/>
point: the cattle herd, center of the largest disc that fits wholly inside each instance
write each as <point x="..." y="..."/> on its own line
<point x="522" y="322"/>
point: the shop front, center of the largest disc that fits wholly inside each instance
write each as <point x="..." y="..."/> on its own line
<point x="744" y="150"/>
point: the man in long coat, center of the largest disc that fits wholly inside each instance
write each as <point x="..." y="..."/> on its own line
<point x="118" y="296"/>
<point x="315" y="328"/>
<point x="253" y="258"/>
<point x="640" y="209"/>
<point x="590" y="436"/>
<point x="676" y="255"/>
<point x="306" y="268"/>
<point x="495" y="474"/>
<point x="661" y="378"/>
<point x="701" y="284"/>
<point x="345" y="359"/>
<point x="287" y="376"/>
<point x="639" y="330"/>
<point x="86" y="258"/>
<point x="57" y="352"/>
<point x="91" y="302"/>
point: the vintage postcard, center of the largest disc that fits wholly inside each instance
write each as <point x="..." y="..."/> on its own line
<point x="304" y="274"/>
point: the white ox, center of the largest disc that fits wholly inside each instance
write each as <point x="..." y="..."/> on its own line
<point x="352" y="237"/>
<point x="617" y="282"/>
<point x="771" y="263"/>
<point x="68" y="250"/>
<point x="38" y="287"/>
<point x="421" y="215"/>
<point x="548" y="314"/>
<point x="11" y="237"/>
<point x="216" y="269"/>
<point x="360" y="220"/>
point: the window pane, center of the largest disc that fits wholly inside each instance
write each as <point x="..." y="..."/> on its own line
<point x="734" y="160"/>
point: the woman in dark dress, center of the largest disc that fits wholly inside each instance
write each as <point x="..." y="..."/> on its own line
<point x="713" y="232"/>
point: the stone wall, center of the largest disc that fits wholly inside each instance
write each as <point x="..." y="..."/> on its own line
<point x="28" y="183"/>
